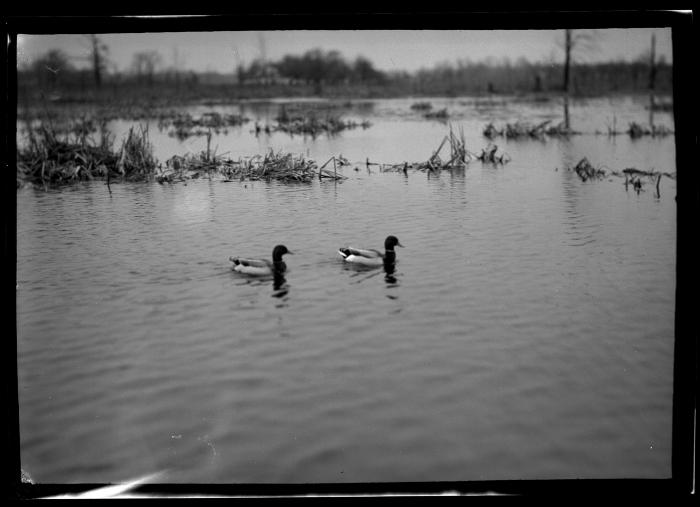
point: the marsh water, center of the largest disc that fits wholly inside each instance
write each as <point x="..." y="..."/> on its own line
<point x="526" y="332"/>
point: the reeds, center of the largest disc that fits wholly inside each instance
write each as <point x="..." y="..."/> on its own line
<point x="440" y="114"/>
<point x="520" y="130"/>
<point x="665" y="106"/>
<point x="285" y="167"/>
<point x="585" y="170"/>
<point x="457" y="158"/>
<point x="136" y="160"/>
<point x="638" y="178"/>
<point x="185" y="125"/>
<point x="421" y="106"/>
<point x="636" y="130"/>
<point x="53" y="159"/>
<point x="489" y="155"/>
<point x="313" y="124"/>
<point x="633" y="177"/>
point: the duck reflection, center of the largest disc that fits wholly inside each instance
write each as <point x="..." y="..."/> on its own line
<point x="389" y="269"/>
<point x="280" y="288"/>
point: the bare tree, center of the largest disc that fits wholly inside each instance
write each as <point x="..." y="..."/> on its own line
<point x="573" y="41"/>
<point x="652" y="79"/>
<point x="144" y="65"/>
<point x="51" y="66"/>
<point x="98" y="57"/>
<point x="177" y="65"/>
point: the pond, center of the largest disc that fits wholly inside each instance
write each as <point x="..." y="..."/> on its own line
<point x="526" y="333"/>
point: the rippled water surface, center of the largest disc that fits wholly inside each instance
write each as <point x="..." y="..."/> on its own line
<point x="527" y="332"/>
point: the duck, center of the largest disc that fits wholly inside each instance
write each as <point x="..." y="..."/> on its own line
<point x="262" y="267"/>
<point x="370" y="256"/>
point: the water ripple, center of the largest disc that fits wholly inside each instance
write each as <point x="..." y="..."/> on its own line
<point x="528" y="321"/>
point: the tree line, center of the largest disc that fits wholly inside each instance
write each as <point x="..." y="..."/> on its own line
<point x="320" y="70"/>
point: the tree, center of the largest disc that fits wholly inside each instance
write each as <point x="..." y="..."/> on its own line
<point x="176" y="66"/>
<point x="572" y="42"/>
<point x="364" y="71"/>
<point x="50" y="67"/>
<point x="144" y="65"/>
<point x="98" y="57"/>
<point x="652" y="79"/>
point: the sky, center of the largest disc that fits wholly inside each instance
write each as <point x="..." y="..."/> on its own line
<point x="389" y="50"/>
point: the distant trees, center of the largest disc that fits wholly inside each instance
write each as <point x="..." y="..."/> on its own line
<point x="98" y="56"/>
<point x="572" y="41"/>
<point x="321" y="69"/>
<point x="144" y="66"/>
<point x="363" y="71"/>
<point x="315" y="67"/>
<point x="50" y="68"/>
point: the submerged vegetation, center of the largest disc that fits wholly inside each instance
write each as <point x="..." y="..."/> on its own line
<point x="636" y="130"/>
<point x="586" y="171"/>
<point x="279" y="166"/>
<point x="53" y="159"/>
<point x="183" y="125"/>
<point x="523" y="130"/>
<point x="421" y="106"/>
<point x="633" y="177"/>
<point x="440" y="114"/>
<point x="457" y="158"/>
<point x="313" y="122"/>
<point x="58" y="151"/>
<point x="50" y="159"/>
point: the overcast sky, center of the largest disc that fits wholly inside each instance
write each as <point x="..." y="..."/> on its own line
<point x="389" y="50"/>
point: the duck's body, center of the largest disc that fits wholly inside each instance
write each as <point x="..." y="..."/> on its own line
<point x="262" y="267"/>
<point x="370" y="256"/>
<point x="360" y="256"/>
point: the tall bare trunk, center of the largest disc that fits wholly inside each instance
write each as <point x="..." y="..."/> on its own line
<point x="652" y="80"/>
<point x="567" y="76"/>
<point x="96" y="61"/>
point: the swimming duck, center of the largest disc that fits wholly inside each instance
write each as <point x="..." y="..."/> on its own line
<point x="372" y="257"/>
<point x="262" y="267"/>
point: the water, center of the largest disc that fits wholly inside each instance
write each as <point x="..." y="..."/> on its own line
<point x="527" y="332"/>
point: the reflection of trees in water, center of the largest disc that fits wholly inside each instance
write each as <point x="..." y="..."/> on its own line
<point x="574" y="219"/>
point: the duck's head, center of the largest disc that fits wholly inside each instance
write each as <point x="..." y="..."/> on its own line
<point x="390" y="242"/>
<point x="278" y="252"/>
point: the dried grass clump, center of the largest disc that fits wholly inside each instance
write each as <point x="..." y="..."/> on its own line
<point x="520" y="130"/>
<point x="636" y="130"/>
<point x="440" y="114"/>
<point x="136" y="159"/>
<point x="421" y="106"/>
<point x="489" y="155"/>
<point x="585" y="170"/>
<point x="52" y="159"/>
<point x="458" y="157"/>
<point x="634" y="177"/>
<point x="184" y="125"/>
<point x="285" y="167"/>
<point x="313" y="123"/>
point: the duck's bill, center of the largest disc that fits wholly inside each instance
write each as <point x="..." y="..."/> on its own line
<point x="399" y="244"/>
<point x="290" y="252"/>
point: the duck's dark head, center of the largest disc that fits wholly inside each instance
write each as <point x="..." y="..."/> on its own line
<point x="278" y="252"/>
<point x="390" y="242"/>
